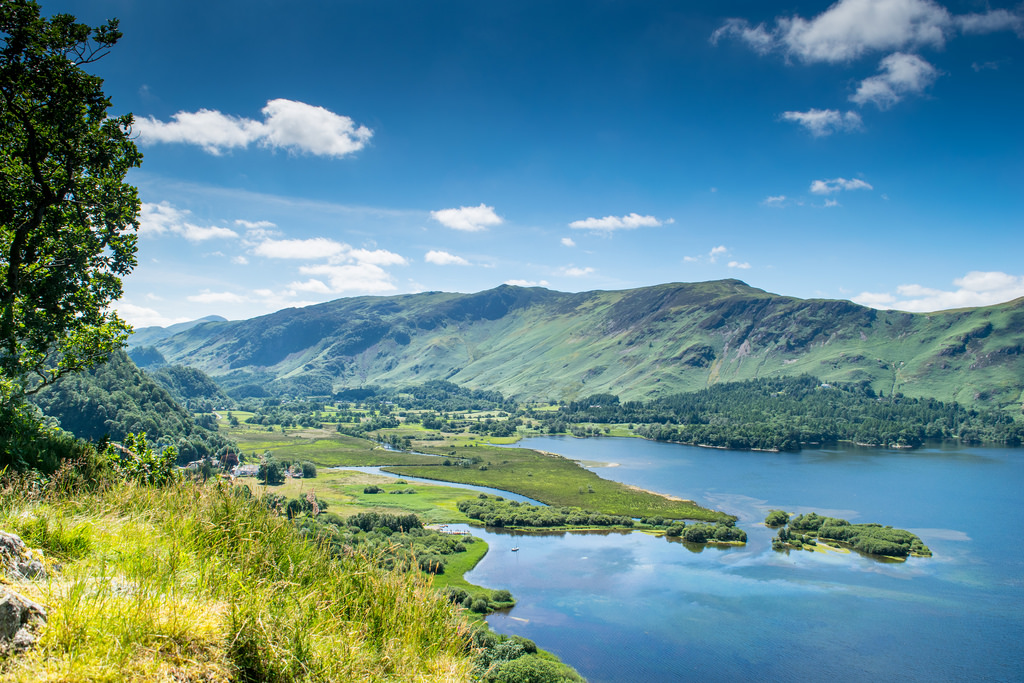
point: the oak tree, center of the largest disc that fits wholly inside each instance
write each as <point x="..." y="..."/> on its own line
<point x="68" y="219"/>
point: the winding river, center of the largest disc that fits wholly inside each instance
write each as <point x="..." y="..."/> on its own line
<point x="631" y="607"/>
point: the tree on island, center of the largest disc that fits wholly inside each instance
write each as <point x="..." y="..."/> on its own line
<point x="776" y="518"/>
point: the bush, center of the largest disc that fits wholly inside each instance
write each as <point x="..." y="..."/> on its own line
<point x="776" y="518"/>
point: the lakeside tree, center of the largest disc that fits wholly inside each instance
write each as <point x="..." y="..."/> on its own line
<point x="68" y="221"/>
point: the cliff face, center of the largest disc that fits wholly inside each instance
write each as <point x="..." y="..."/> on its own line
<point x="537" y="343"/>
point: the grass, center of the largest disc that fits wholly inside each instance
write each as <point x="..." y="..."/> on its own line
<point x="192" y="582"/>
<point x="555" y="480"/>
<point x="343" y="491"/>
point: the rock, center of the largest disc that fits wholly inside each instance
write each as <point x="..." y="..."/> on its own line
<point x="20" y="620"/>
<point x="17" y="561"/>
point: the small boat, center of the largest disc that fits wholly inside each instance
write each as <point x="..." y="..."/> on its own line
<point x="516" y="549"/>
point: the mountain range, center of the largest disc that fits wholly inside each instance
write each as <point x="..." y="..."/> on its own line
<point x="534" y="343"/>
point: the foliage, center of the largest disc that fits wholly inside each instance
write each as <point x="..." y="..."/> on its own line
<point x="783" y="413"/>
<point x="116" y="398"/>
<point x="134" y="460"/>
<point x="67" y="220"/>
<point x="776" y="518"/>
<point x="498" y="512"/>
<point x="873" y="539"/>
<point x="271" y="473"/>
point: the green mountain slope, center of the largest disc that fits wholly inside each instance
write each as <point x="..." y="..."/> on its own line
<point x="639" y="343"/>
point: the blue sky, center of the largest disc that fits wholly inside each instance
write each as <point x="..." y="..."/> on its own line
<point x="300" y="152"/>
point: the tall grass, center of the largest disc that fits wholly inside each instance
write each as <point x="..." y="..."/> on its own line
<point x="191" y="582"/>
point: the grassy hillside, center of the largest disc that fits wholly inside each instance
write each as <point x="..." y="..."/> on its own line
<point x="532" y="343"/>
<point x="228" y="591"/>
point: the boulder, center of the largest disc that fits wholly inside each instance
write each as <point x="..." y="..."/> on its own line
<point x="17" y="561"/>
<point x="20" y="620"/>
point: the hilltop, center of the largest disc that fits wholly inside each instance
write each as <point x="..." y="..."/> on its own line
<point x="534" y="343"/>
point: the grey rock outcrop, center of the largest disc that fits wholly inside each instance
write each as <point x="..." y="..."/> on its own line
<point x="17" y="561"/>
<point x="20" y="618"/>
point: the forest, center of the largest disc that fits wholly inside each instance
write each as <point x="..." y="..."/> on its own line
<point x="786" y="413"/>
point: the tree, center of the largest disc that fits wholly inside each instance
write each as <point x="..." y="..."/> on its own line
<point x="68" y="221"/>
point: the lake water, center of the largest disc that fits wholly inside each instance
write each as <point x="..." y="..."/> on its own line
<point x="630" y="607"/>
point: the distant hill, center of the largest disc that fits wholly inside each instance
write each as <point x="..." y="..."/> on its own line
<point x="147" y="336"/>
<point x="534" y="343"/>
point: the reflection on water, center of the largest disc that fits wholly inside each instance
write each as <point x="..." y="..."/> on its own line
<point x="628" y="607"/>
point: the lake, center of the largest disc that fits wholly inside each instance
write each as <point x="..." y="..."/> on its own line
<point x="631" y="607"/>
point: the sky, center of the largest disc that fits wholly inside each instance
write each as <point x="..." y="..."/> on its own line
<point x="299" y="152"/>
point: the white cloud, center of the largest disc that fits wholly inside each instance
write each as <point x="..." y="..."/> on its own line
<point x="255" y="225"/>
<point x="991" y="21"/>
<point x="467" y="218"/>
<point x="527" y="283"/>
<point x="443" y="258"/>
<point x="568" y="242"/>
<point x="737" y="264"/>
<point x="901" y="74"/>
<point x="775" y="200"/>
<point x="196" y="233"/>
<point x="158" y="219"/>
<point x="715" y="252"/>
<point x="837" y="184"/>
<point x="240" y="260"/>
<point x="611" y="223"/>
<point x="140" y="316"/>
<point x="309" y="249"/>
<point x="977" y="288"/>
<point x="849" y="29"/>
<point x="311" y="285"/>
<point x="163" y="218"/>
<point x="691" y="259"/>
<point x="208" y="297"/>
<point x="378" y="257"/>
<point x="830" y="203"/>
<point x="821" y="122"/>
<point x="574" y="271"/>
<point x="289" y="125"/>
<point x="358" y="277"/>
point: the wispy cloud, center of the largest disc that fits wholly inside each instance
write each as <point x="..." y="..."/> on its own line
<point x="468" y="218"/>
<point x="443" y="258"/>
<point x="774" y="200"/>
<point x="720" y="250"/>
<point x="838" y="184"/>
<point x="568" y="242"/>
<point x="527" y="283"/>
<point x="142" y="316"/>
<point x="288" y="125"/>
<point x="575" y="271"/>
<point x="822" y="122"/>
<point x="163" y="218"/>
<point x="208" y="297"/>
<point x="312" y="249"/>
<point x="977" y="288"/>
<point x="849" y="29"/>
<point x="737" y="264"/>
<point x="900" y="75"/>
<point x="352" y="277"/>
<point x="609" y="224"/>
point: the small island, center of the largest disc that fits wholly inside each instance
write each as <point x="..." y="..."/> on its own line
<point x="805" y="531"/>
<point x="495" y="511"/>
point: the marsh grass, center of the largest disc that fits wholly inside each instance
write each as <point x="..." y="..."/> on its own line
<point x="191" y="582"/>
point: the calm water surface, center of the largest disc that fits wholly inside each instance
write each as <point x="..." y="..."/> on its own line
<point x="629" y="607"/>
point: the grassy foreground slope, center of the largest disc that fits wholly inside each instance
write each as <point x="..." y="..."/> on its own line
<point x="533" y="343"/>
<point x="225" y="592"/>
